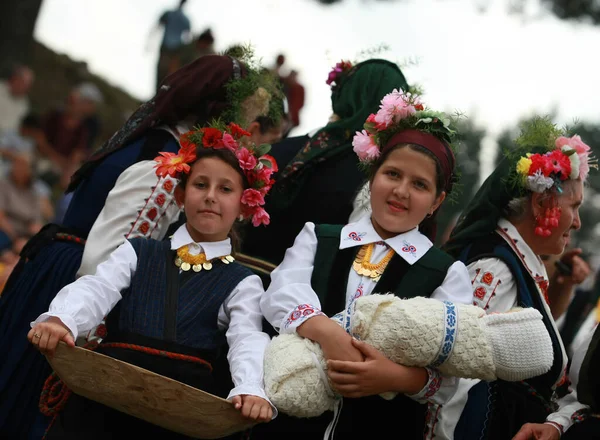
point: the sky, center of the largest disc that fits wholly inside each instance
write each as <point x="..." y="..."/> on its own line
<point x="494" y="66"/>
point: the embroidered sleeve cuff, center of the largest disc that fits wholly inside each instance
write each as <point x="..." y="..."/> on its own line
<point x="298" y="316"/>
<point x="251" y="390"/>
<point x="556" y="425"/>
<point x="431" y="387"/>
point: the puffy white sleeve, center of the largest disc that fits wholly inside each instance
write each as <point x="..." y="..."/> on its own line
<point x="493" y="285"/>
<point x="241" y="316"/>
<point x="83" y="304"/>
<point x="290" y="299"/>
<point x="139" y="205"/>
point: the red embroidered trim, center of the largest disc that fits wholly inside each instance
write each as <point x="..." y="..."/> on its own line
<point x="480" y="292"/>
<point x="435" y="382"/>
<point x="61" y="236"/>
<point x="302" y="311"/>
<point x="557" y="425"/>
<point x="487" y="278"/>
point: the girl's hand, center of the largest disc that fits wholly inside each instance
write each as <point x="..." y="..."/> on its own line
<point x="45" y="336"/>
<point x="376" y="375"/>
<point x="253" y="407"/>
<point x="334" y="341"/>
<point x="537" y="431"/>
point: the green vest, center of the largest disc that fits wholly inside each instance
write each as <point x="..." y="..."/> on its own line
<point x="332" y="265"/>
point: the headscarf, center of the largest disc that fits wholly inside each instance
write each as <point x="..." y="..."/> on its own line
<point x="480" y="217"/>
<point x="355" y="97"/>
<point x="198" y="89"/>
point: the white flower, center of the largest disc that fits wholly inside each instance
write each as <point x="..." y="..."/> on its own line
<point x="575" y="161"/>
<point x="538" y="182"/>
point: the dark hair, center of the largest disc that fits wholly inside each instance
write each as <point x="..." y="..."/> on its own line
<point x="439" y="179"/>
<point x="229" y="158"/>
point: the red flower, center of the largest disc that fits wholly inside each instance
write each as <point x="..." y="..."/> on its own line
<point x="272" y="160"/>
<point x="561" y="164"/>
<point x="419" y="107"/>
<point x="252" y="197"/>
<point x="184" y="140"/>
<point x="172" y="164"/>
<point x="541" y="163"/>
<point x="236" y="131"/>
<point x="211" y="137"/>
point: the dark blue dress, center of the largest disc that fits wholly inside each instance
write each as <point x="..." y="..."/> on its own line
<point x="52" y="265"/>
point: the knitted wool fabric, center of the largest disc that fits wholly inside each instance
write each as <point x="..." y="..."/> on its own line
<point x="415" y="332"/>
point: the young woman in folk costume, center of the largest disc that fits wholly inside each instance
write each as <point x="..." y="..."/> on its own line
<point x="319" y="173"/>
<point x="411" y="167"/>
<point x="216" y="299"/>
<point x="117" y="196"/>
<point x="526" y="208"/>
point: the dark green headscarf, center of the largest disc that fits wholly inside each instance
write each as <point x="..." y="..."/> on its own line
<point x="480" y="217"/>
<point x="357" y="95"/>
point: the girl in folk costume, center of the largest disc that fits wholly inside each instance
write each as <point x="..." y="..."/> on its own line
<point x="526" y="208"/>
<point x="407" y="152"/>
<point x="319" y="173"/>
<point x="577" y="417"/>
<point x="183" y="296"/>
<point x="117" y="196"/>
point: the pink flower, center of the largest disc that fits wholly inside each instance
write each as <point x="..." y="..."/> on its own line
<point x="260" y="217"/>
<point x="394" y="107"/>
<point x="264" y="174"/>
<point x="582" y="149"/>
<point x="364" y="147"/>
<point x="246" y="159"/>
<point x="230" y="143"/>
<point x="252" y="197"/>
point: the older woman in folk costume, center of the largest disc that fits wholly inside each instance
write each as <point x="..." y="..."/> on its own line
<point x="117" y="196"/>
<point x="526" y="208"/>
<point x="319" y="173"/>
<point x="411" y="171"/>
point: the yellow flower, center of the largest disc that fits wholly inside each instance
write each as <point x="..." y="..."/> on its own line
<point x="523" y="166"/>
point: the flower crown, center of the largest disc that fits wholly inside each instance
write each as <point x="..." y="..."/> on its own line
<point x="337" y="73"/>
<point x="255" y="163"/>
<point x="566" y="158"/>
<point x="399" y="111"/>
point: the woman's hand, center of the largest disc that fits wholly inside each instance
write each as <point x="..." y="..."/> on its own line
<point x="334" y="341"/>
<point x="375" y="375"/>
<point x="537" y="431"/>
<point x="253" y="407"/>
<point x="46" y="335"/>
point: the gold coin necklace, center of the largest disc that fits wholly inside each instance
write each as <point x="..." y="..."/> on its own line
<point x="185" y="261"/>
<point x="363" y="266"/>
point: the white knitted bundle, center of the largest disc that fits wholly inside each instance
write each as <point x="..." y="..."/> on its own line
<point x="460" y="340"/>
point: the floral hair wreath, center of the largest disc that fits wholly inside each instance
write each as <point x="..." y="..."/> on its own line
<point x="255" y="163"/>
<point x="399" y="111"/>
<point x="567" y="157"/>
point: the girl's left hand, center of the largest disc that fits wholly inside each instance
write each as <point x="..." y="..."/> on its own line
<point x="253" y="407"/>
<point x="375" y="375"/>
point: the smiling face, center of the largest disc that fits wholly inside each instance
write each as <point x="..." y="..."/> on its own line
<point x="569" y="203"/>
<point x="211" y="199"/>
<point x="403" y="191"/>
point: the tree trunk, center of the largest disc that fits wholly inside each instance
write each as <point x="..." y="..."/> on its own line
<point x="16" y="32"/>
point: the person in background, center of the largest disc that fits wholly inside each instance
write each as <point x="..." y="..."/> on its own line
<point x="176" y="32"/>
<point x="14" y="101"/>
<point x="295" y="95"/>
<point x="90" y="98"/>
